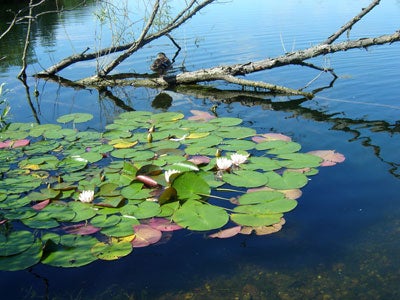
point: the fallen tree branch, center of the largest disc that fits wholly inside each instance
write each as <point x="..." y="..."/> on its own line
<point x="350" y="24"/>
<point x="181" y="18"/>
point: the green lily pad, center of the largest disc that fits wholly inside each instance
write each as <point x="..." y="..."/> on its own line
<point x="197" y="216"/>
<point x="226" y="121"/>
<point x="41" y="221"/>
<point x="279" y="147"/>
<point x="123" y="228"/>
<point x="260" y="197"/>
<point x="143" y="210"/>
<point x="255" y="220"/>
<point x="75" y="118"/>
<point x="16" y="242"/>
<point x="190" y="186"/>
<point x="72" y="251"/>
<point x="22" y="260"/>
<point x="105" y="221"/>
<point x="288" y="180"/>
<point x="299" y="160"/>
<point x="245" y="178"/>
<point x="111" y="251"/>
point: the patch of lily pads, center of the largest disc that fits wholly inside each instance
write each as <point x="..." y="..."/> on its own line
<point x="69" y="197"/>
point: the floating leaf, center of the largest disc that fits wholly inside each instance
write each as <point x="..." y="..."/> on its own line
<point x="226" y="233"/>
<point x="199" y="115"/>
<point x="190" y="186"/>
<point x="75" y="118"/>
<point x="330" y="157"/>
<point x="271" y="137"/>
<point x="111" y="251"/>
<point x="245" y="178"/>
<point x="16" y="242"/>
<point x="299" y="160"/>
<point x="260" y="197"/>
<point x="81" y="229"/>
<point x="145" y="235"/>
<point x="71" y="251"/>
<point x="22" y="260"/>
<point x="247" y="219"/>
<point x="197" y="216"/>
<point x="288" y="180"/>
<point x="163" y="224"/>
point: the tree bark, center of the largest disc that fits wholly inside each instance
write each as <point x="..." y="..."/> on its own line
<point x="228" y="73"/>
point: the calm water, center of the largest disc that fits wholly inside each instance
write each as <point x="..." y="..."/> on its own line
<point x="341" y="242"/>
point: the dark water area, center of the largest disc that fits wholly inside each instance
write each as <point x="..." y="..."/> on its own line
<point x="341" y="241"/>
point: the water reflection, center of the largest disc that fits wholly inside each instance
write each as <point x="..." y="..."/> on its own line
<point x="43" y="30"/>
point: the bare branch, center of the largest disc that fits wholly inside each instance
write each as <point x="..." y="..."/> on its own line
<point x="350" y="24"/>
<point x="135" y="45"/>
<point x="179" y="20"/>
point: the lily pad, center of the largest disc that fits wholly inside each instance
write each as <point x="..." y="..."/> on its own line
<point x="16" y="242"/>
<point x="22" y="260"/>
<point x="75" y="118"/>
<point x="145" y="235"/>
<point x="72" y="251"/>
<point x="245" y="178"/>
<point x="197" y="216"/>
<point x="111" y="251"/>
<point x="288" y="180"/>
<point x="190" y="186"/>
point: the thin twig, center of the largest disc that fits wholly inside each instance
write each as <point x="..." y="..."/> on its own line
<point x="350" y="24"/>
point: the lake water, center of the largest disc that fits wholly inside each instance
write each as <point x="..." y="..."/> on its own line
<point x="341" y="242"/>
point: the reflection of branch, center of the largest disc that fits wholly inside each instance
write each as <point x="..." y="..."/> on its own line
<point x="28" y="98"/>
<point x="117" y="101"/>
<point x="22" y="73"/>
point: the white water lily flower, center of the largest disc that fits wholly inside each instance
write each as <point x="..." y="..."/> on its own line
<point x="238" y="159"/>
<point x="223" y="163"/>
<point x="86" y="196"/>
<point x="168" y="174"/>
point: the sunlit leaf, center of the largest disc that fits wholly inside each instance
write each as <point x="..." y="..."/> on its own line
<point x="75" y="118"/>
<point x="71" y="251"/>
<point x="190" y="186"/>
<point x="16" y="242"/>
<point x="111" y="251"/>
<point x="197" y="216"/>
<point x="288" y="180"/>
<point x="22" y="260"/>
<point x="245" y="178"/>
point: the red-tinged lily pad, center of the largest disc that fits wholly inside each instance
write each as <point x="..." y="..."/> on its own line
<point x="20" y="143"/>
<point x="41" y="205"/>
<point x="5" y="144"/>
<point x="271" y="137"/>
<point x="226" y="233"/>
<point x="199" y="159"/>
<point x="81" y="229"/>
<point x="163" y="224"/>
<point x="199" y="115"/>
<point x="14" y="144"/>
<point x="330" y="157"/>
<point x="145" y="235"/>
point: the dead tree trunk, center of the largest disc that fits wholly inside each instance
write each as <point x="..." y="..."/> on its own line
<point x="229" y="73"/>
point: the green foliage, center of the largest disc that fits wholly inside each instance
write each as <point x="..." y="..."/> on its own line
<point x="103" y="192"/>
